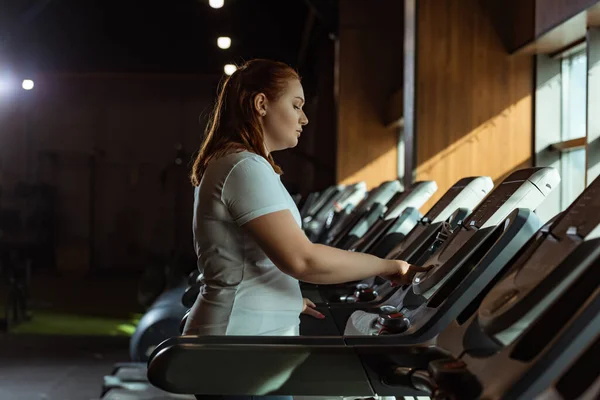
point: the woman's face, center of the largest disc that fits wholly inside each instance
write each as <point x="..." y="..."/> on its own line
<point x="284" y="118"/>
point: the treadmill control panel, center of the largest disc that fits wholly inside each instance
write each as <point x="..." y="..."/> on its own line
<point x="447" y="198"/>
<point x="491" y="204"/>
<point x="582" y="216"/>
<point x="467" y="193"/>
<point x="511" y="190"/>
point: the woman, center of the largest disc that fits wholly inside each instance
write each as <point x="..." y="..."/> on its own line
<point x="247" y="228"/>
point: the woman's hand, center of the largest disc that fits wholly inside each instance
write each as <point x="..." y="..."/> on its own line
<point x="405" y="272"/>
<point x="308" y="308"/>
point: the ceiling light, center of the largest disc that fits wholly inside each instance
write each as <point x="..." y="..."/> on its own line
<point x="224" y="42"/>
<point x="27" y="84"/>
<point x="229" y="69"/>
<point x="216" y="3"/>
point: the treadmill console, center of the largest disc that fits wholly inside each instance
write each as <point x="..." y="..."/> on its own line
<point x="414" y="197"/>
<point x="467" y="193"/>
<point x="517" y="190"/>
<point x="464" y="194"/>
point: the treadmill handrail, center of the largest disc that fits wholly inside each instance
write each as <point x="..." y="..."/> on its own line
<point x="292" y="365"/>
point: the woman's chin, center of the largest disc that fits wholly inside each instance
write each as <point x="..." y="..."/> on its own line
<point x="293" y="143"/>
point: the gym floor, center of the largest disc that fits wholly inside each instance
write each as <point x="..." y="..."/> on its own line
<point x="79" y="330"/>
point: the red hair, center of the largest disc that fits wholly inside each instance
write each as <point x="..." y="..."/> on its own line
<point x="234" y="124"/>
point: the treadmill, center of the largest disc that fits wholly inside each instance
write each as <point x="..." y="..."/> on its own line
<point x="327" y="366"/>
<point x="469" y="259"/>
<point x="542" y="312"/>
<point x="555" y="356"/>
<point x="463" y="264"/>
<point x="466" y="193"/>
<point x="323" y="198"/>
<point x="346" y="219"/>
<point x="400" y="217"/>
<point x="348" y="196"/>
<point x="369" y="228"/>
<point x="411" y="198"/>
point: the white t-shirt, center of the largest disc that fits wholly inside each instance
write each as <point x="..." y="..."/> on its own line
<point x="244" y="292"/>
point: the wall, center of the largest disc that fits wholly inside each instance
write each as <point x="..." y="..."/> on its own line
<point x="473" y="100"/>
<point x="108" y="144"/>
<point x="103" y="142"/>
<point x="311" y="165"/>
<point x="370" y="72"/>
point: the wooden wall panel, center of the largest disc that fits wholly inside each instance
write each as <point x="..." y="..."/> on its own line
<point x="370" y="72"/>
<point x="474" y="101"/>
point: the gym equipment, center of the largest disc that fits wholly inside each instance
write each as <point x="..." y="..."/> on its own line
<point x="17" y="245"/>
<point x="542" y="315"/>
<point x="439" y="220"/>
<point x="577" y="379"/>
<point x="307" y="203"/>
<point x="362" y="223"/>
<point x="345" y="220"/>
<point x="195" y="282"/>
<point x="360" y="218"/>
<point x="327" y="196"/>
<point x="159" y="323"/>
<point x="334" y="365"/>
<point x="379" y="217"/>
<point x="347" y="198"/>
<point x="390" y="221"/>
<point x="468" y="260"/>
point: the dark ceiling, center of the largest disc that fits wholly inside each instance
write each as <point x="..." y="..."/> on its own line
<point x="168" y="36"/>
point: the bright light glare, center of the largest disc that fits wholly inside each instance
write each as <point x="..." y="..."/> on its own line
<point x="216" y="3"/>
<point x="224" y="42"/>
<point x="27" y="84"/>
<point x="229" y="69"/>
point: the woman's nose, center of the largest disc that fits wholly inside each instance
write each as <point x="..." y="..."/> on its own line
<point x="303" y="119"/>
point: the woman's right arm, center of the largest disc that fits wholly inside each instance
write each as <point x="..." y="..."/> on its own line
<point x="282" y="240"/>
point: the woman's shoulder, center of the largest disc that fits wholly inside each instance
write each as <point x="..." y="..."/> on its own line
<point x="229" y="162"/>
<point x="241" y="161"/>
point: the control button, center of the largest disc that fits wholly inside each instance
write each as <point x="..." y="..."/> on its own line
<point x="365" y="295"/>
<point x="572" y="231"/>
<point x="420" y="276"/>
<point x="393" y="323"/>
<point x="387" y="309"/>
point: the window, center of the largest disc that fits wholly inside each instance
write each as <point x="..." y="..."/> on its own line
<point x="561" y="125"/>
<point x="574" y="121"/>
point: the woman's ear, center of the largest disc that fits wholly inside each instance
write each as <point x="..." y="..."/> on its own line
<point x="260" y="104"/>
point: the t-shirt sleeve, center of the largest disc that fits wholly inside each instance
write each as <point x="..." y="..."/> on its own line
<point x="252" y="189"/>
